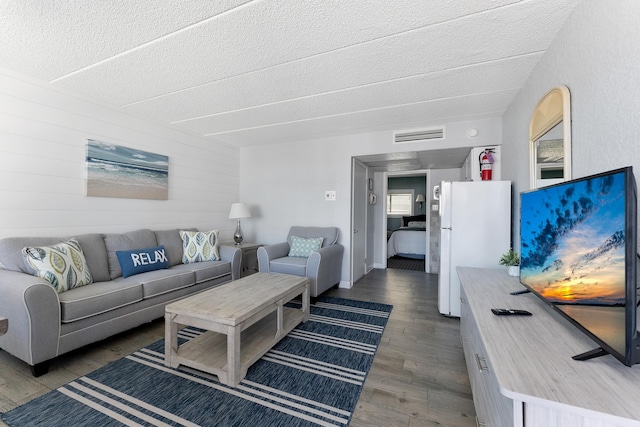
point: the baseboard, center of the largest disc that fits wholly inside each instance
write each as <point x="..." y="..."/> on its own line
<point x="345" y="284"/>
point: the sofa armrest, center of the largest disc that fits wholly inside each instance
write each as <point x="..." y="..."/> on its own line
<point x="271" y="252"/>
<point x="324" y="267"/>
<point x="234" y="256"/>
<point x="32" y="306"/>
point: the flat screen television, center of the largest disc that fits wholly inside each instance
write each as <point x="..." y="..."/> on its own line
<point x="578" y="253"/>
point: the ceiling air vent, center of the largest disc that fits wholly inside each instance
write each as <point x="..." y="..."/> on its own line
<point x="418" y="135"/>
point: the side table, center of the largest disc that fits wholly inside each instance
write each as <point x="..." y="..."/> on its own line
<point x="249" y="262"/>
<point x="4" y="325"/>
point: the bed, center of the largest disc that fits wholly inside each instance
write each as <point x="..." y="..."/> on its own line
<point x="409" y="241"/>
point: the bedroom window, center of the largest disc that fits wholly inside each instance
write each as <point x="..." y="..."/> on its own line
<point x="400" y="202"/>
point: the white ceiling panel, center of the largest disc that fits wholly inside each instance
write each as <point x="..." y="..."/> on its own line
<point x="482" y="78"/>
<point x="265" y="71"/>
<point x="428" y="112"/>
<point x="50" y="38"/>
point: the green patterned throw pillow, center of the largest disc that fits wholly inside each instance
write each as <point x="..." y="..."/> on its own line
<point x="303" y="248"/>
<point x="63" y="264"/>
<point x="199" y="246"/>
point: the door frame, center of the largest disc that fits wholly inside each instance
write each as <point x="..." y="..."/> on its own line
<point x="355" y="161"/>
<point x="385" y="183"/>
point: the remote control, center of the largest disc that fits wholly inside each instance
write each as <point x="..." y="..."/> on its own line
<point x="509" y="312"/>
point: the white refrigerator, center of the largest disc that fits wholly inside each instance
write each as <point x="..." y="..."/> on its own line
<point x="475" y="230"/>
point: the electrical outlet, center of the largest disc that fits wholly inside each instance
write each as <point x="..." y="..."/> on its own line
<point x="329" y="196"/>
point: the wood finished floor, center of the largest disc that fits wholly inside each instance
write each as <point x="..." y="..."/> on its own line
<point x="418" y="377"/>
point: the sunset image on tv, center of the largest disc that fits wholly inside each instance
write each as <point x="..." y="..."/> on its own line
<point x="573" y="252"/>
<point x="572" y="242"/>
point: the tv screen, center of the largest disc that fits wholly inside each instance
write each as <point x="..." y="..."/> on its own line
<point x="578" y="253"/>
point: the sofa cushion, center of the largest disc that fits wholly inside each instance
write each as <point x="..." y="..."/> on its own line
<point x="87" y="301"/>
<point x="198" y="246"/>
<point x="92" y="245"/>
<point x="138" y="261"/>
<point x="172" y="243"/>
<point x="289" y="265"/>
<point x="162" y="281"/>
<point x="125" y="242"/>
<point x="206" y="270"/>
<point x="96" y="255"/>
<point x="330" y="234"/>
<point x="62" y="264"/>
<point x="301" y="247"/>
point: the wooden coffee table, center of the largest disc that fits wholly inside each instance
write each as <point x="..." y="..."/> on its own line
<point x="244" y="319"/>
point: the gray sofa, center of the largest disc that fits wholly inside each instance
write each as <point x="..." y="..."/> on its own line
<point x="323" y="267"/>
<point x="44" y="324"/>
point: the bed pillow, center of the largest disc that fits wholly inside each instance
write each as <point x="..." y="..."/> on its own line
<point x="63" y="264"/>
<point x="407" y="219"/>
<point x="138" y="261"/>
<point x="303" y="248"/>
<point x="198" y="246"/>
<point x="417" y="224"/>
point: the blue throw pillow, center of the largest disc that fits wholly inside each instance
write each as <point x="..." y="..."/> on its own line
<point x="138" y="261"/>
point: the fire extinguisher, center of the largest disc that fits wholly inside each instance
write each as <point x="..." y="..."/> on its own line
<point x="486" y="164"/>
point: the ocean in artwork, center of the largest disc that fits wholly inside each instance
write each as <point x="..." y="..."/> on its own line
<point x="117" y="171"/>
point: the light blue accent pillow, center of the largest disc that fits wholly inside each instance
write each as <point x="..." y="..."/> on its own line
<point x="138" y="261"/>
<point x="303" y="248"/>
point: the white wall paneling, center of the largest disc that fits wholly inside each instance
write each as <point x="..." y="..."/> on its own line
<point x="43" y="133"/>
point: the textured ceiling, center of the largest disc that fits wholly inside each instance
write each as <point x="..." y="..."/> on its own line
<point x="260" y="72"/>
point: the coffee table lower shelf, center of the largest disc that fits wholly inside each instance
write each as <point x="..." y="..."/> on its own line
<point x="208" y="352"/>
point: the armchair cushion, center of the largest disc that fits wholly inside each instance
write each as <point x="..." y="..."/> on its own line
<point x="290" y="265"/>
<point x="301" y="247"/>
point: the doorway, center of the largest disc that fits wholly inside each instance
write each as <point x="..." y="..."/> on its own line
<point x="406" y="220"/>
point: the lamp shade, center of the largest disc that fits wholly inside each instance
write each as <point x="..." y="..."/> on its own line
<point x="420" y="198"/>
<point x="239" y="210"/>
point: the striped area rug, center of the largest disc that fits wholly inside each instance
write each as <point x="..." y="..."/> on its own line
<point x="314" y="376"/>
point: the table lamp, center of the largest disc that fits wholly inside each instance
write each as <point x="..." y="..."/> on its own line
<point x="239" y="210"/>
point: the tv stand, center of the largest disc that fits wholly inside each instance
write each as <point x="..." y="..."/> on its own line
<point x="521" y="368"/>
<point x="591" y="354"/>
<point x="520" y="292"/>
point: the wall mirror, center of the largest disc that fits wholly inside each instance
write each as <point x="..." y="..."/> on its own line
<point x="550" y="139"/>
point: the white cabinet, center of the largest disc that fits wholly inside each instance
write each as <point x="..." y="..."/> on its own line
<point x="471" y="167"/>
<point x="492" y="408"/>
<point x="520" y="367"/>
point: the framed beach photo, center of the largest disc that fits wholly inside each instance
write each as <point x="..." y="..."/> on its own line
<point x="117" y="171"/>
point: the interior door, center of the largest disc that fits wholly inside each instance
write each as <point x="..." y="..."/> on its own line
<point x="358" y="220"/>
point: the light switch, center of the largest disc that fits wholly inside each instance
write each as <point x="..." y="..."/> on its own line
<point x="329" y="196"/>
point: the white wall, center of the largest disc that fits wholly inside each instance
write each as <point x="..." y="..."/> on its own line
<point x="597" y="56"/>
<point x="284" y="184"/>
<point x="43" y="132"/>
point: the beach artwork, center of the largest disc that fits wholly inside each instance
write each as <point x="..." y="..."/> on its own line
<point x="116" y="171"/>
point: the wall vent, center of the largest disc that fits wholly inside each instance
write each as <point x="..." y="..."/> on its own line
<point x="418" y="135"/>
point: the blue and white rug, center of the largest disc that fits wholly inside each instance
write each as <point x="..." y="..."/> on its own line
<point x="314" y="376"/>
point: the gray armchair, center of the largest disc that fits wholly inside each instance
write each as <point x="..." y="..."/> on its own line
<point x="323" y="267"/>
